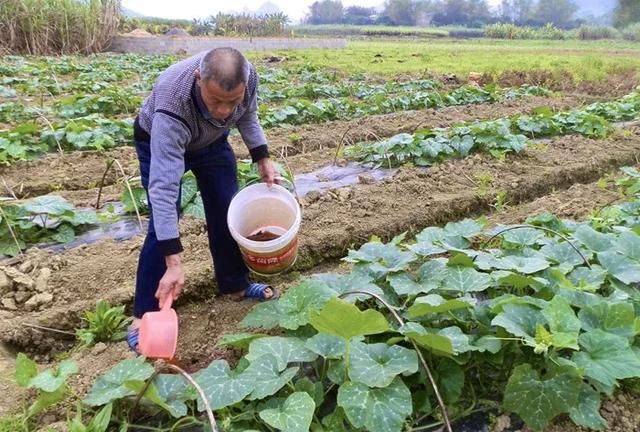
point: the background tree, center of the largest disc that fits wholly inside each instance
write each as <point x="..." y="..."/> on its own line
<point x="400" y="12"/>
<point x="325" y="12"/>
<point x="358" y="15"/>
<point x="561" y="13"/>
<point x="627" y="12"/>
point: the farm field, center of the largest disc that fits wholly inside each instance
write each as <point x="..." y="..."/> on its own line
<point x="414" y="183"/>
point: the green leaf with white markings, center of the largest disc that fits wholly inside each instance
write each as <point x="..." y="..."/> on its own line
<point x="616" y="318"/>
<point x="606" y="358"/>
<point x="539" y="400"/>
<point x="327" y="346"/>
<point x="111" y="385"/>
<point x="465" y="280"/>
<point x="619" y="266"/>
<point x="285" y="349"/>
<point x="295" y="414"/>
<point x="222" y="386"/>
<point x="376" y="365"/>
<point x="376" y="409"/>
<point x="294" y="306"/>
<point x="264" y="372"/>
<point x="587" y="411"/>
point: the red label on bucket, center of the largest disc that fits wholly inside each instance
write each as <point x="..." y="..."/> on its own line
<point x="269" y="264"/>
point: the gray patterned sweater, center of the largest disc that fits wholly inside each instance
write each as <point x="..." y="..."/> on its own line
<point x="174" y="120"/>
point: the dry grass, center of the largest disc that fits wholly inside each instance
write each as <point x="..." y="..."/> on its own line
<point x="42" y="27"/>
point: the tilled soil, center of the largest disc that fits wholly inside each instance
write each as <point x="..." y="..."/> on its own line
<point x="84" y="170"/>
<point x="332" y="224"/>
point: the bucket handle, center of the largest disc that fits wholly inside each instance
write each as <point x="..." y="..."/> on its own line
<point x="292" y="187"/>
<point x="167" y="302"/>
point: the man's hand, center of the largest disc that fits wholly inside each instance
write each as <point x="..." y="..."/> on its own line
<point x="172" y="281"/>
<point x="267" y="171"/>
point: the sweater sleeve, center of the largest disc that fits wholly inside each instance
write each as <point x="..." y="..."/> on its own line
<point x="251" y="130"/>
<point x="169" y="137"/>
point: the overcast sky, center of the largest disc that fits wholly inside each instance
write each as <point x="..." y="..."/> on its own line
<point x="295" y="9"/>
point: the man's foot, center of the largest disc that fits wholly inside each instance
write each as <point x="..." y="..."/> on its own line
<point x="257" y="291"/>
<point x="133" y="333"/>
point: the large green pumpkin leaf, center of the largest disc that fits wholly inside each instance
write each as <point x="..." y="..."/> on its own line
<point x="111" y="385"/>
<point x="428" y="277"/>
<point x="340" y="318"/>
<point x="52" y="379"/>
<point x="174" y="391"/>
<point x="265" y="315"/>
<point x="522" y="236"/>
<point x="522" y="264"/>
<point x="327" y="346"/>
<point x="616" y="318"/>
<point x="53" y="205"/>
<point x="564" y="253"/>
<point x="538" y="401"/>
<point x="587" y="412"/>
<point x="619" y="266"/>
<point x="382" y="258"/>
<point x="376" y="409"/>
<point x="434" y="304"/>
<point x="563" y="323"/>
<point x="628" y="244"/>
<point x="520" y="320"/>
<point x="592" y="239"/>
<point x="222" y="386"/>
<point x="297" y="302"/>
<point x="295" y="414"/>
<point x="376" y="365"/>
<point x="465" y="280"/>
<point x="284" y="349"/>
<point x="606" y="358"/>
<point x="354" y="281"/>
<point x="467" y="228"/>
<point x="264" y="372"/>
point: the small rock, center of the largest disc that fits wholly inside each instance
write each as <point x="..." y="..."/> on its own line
<point x="99" y="348"/>
<point x="21" y="296"/>
<point x="43" y="279"/>
<point x="6" y="284"/>
<point x="9" y="303"/>
<point x="502" y="423"/>
<point x="20" y="280"/>
<point x="26" y="266"/>
<point x="343" y="194"/>
<point x="38" y="300"/>
<point x="366" y="179"/>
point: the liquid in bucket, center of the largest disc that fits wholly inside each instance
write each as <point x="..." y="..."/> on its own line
<point x="267" y="234"/>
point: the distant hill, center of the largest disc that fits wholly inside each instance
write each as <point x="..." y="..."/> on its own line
<point x="267" y="8"/>
<point x="130" y="13"/>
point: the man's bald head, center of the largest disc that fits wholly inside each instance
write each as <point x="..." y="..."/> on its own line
<point x="227" y="67"/>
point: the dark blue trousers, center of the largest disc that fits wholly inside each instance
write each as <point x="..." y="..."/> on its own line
<point x="216" y="172"/>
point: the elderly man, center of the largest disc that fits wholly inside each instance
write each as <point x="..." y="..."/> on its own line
<point x="183" y="125"/>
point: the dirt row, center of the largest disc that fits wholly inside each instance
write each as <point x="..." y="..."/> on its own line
<point x="332" y="224"/>
<point x="84" y="170"/>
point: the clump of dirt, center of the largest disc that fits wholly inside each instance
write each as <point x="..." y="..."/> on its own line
<point x="138" y="32"/>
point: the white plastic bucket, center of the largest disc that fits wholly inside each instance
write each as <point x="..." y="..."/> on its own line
<point x="260" y="207"/>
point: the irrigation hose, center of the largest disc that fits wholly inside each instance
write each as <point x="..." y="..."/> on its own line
<point x="515" y="227"/>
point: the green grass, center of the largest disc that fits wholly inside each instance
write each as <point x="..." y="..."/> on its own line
<point x="584" y="60"/>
